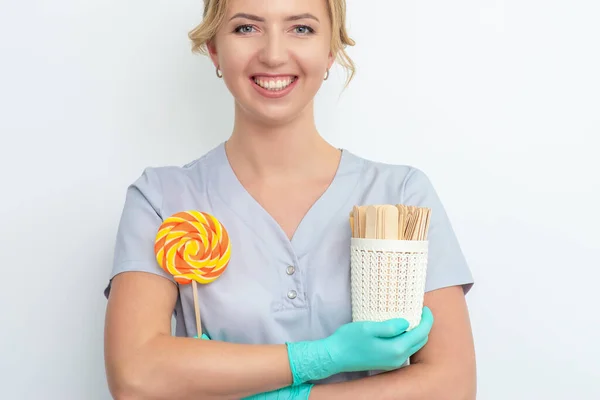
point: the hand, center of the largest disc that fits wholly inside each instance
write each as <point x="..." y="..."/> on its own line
<point x="203" y="337"/>
<point x="298" y="392"/>
<point x="359" y="346"/>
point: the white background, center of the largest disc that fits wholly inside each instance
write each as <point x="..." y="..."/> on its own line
<point x="497" y="101"/>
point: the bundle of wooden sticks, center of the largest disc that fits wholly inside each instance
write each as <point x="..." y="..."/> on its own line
<point x="398" y="222"/>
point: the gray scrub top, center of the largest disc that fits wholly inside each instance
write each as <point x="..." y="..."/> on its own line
<point x="276" y="290"/>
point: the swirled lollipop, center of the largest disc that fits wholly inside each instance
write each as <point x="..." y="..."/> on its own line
<point x="193" y="247"/>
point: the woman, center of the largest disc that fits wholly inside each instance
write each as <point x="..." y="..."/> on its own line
<point x="279" y="318"/>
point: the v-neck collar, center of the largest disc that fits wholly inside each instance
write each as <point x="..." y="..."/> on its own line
<point x="320" y="214"/>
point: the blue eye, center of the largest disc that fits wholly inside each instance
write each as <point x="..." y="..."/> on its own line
<point x="304" y="30"/>
<point x="244" y="29"/>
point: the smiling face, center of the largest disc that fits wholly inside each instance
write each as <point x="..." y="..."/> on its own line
<point x="273" y="55"/>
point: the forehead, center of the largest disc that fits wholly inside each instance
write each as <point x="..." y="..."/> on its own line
<point x="278" y="8"/>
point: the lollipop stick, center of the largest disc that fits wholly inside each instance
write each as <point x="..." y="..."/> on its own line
<point x="197" y="309"/>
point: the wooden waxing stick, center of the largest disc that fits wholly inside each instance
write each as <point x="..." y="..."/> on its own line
<point x="197" y="309"/>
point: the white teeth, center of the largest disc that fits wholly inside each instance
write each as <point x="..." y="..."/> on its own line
<point x="274" y="85"/>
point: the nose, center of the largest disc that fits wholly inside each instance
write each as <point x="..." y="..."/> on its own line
<point x="274" y="51"/>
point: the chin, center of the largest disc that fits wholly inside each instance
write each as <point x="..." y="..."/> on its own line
<point x="275" y="116"/>
<point x="273" y="107"/>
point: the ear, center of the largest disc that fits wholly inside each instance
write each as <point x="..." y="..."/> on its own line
<point x="212" y="52"/>
<point x="331" y="59"/>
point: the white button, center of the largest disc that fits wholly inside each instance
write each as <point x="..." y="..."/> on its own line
<point x="292" y="294"/>
<point x="290" y="270"/>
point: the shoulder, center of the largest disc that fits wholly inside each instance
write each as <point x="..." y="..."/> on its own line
<point x="405" y="179"/>
<point x="155" y="183"/>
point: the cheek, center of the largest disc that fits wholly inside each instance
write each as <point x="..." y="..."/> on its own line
<point x="313" y="63"/>
<point x="234" y="59"/>
<point x="231" y="67"/>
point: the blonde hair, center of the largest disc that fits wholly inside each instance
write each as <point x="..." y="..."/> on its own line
<point x="214" y="15"/>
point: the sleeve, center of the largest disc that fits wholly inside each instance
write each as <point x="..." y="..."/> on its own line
<point x="137" y="229"/>
<point x="446" y="265"/>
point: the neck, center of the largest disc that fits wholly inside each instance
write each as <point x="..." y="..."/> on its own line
<point x="291" y="151"/>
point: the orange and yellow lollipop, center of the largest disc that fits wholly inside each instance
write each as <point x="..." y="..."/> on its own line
<point x="193" y="247"/>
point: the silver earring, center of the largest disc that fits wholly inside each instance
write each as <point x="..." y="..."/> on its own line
<point x="219" y="73"/>
<point x="326" y="75"/>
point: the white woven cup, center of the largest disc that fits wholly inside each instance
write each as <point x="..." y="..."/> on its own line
<point x="388" y="279"/>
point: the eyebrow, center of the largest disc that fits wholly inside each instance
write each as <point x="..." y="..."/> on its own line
<point x="259" y="19"/>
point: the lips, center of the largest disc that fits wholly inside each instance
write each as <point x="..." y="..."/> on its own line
<point x="274" y="83"/>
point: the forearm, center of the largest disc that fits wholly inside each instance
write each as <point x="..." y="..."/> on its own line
<point x="172" y="368"/>
<point x="414" y="382"/>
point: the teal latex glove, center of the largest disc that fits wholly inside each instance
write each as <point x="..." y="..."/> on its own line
<point x="297" y="392"/>
<point x="203" y="337"/>
<point x="358" y="346"/>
